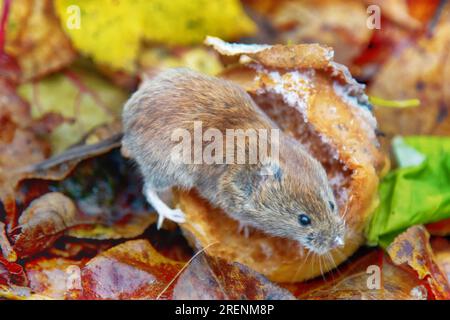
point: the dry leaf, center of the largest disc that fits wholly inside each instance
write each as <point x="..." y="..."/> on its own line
<point x="6" y="249"/>
<point x="340" y="24"/>
<point x="56" y="278"/>
<point x="208" y="278"/>
<point x="397" y="11"/>
<point x="412" y="249"/>
<point x="35" y="39"/>
<point x="82" y="98"/>
<point x="44" y="221"/>
<point x="132" y="270"/>
<point x="424" y="75"/>
<point x="356" y="281"/>
<point x="107" y="197"/>
<point x="441" y="249"/>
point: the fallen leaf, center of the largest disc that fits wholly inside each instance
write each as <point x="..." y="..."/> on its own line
<point x="398" y="12"/>
<point x="417" y="192"/>
<point x="21" y="142"/>
<point x="6" y="248"/>
<point x="19" y="293"/>
<point x="208" y="278"/>
<point x="441" y="250"/>
<point x="135" y="270"/>
<point x="200" y="59"/>
<point x="97" y="199"/>
<point x="56" y="278"/>
<point x="425" y="65"/>
<point x="356" y="280"/>
<point x="412" y="250"/>
<point x="108" y="190"/>
<point x="82" y="98"/>
<point x="44" y="221"/>
<point x="35" y="39"/>
<point x="111" y="32"/>
<point x="11" y="274"/>
<point x="132" y="270"/>
<point x="339" y="24"/>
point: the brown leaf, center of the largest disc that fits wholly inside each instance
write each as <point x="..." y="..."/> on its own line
<point x="351" y="282"/>
<point x="5" y="246"/>
<point x="135" y="270"/>
<point x="19" y="143"/>
<point x="57" y="278"/>
<point x="339" y="24"/>
<point x="208" y="278"/>
<point x="35" y="39"/>
<point x="412" y="250"/>
<point x="45" y="219"/>
<point x="441" y="249"/>
<point x="419" y="69"/>
<point x="397" y="11"/>
<point x="108" y="202"/>
<point x="132" y="270"/>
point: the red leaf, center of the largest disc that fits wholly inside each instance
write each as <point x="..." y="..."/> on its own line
<point x="132" y="270"/>
<point x="208" y="278"/>
<point x="43" y="222"/>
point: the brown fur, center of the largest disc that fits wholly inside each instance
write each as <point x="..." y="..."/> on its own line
<point x="178" y="97"/>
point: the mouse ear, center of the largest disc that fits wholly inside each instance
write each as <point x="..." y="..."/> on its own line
<point x="271" y="170"/>
<point x="248" y="179"/>
<point x="251" y="177"/>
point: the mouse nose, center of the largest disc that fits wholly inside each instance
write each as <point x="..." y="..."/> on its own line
<point x="337" y="242"/>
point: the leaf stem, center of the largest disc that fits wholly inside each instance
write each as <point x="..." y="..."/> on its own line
<point x="400" y="104"/>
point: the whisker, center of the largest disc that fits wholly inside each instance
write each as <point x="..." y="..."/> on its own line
<point x="330" y="263"/>
<point x="320" y="267"/>
<point x="347" y="205"/>
<point x="335" y="269"/>
<point x="302" y="264"/>
<point x="183" y="268"/>
<point x="313" y="262"/>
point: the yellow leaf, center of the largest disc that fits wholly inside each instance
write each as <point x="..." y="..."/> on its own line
<point x="199" y="59"/>
<point x="78" y="95"/>
<point x="111" y="31"/>
<point x="188" y="22"/>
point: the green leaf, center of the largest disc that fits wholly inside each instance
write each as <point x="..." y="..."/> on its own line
<point x="406" y="155"/>
<point x="414" y="193"/>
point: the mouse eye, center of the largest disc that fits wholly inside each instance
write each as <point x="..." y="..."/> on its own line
<point x="332" y="206"/>
<point x="304" y="220"/>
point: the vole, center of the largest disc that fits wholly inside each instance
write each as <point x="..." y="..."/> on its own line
<point x="295" y="201"/>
